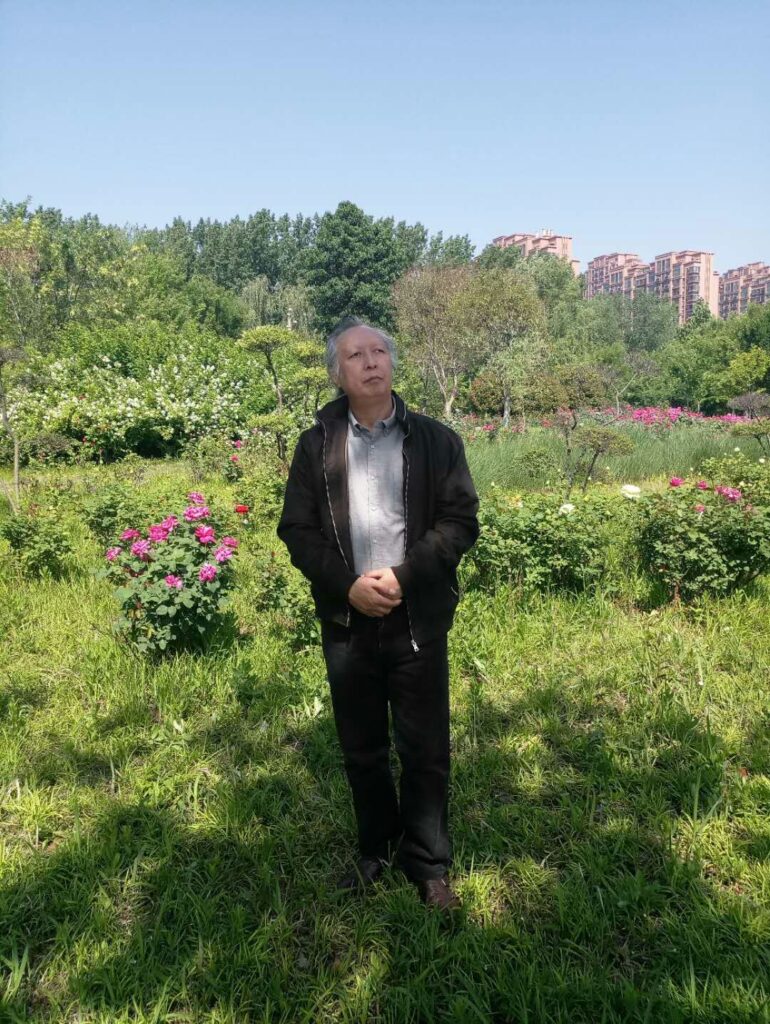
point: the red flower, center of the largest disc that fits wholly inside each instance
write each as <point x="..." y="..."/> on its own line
<point x="241" y="509"/>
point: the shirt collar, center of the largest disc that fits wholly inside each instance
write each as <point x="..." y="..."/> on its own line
<point x="385" y="424"/>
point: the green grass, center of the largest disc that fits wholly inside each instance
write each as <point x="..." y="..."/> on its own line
<point x="680" y="451"/>
<point x="170" y="835"/>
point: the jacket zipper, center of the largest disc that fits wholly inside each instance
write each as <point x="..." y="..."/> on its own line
<point x="415" y="648"/>
<point x="331" y="511"/>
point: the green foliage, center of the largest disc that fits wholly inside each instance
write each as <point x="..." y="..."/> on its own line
<point x="202" y="385"/>
<point x="211" y="455"/>
<point x="538" y="542"/>
<point x="262" y="488"/>
<point x="111" y="509"/>
<point x="168" y="604"/>
<point x="280" y="589"/>
<point x="590" y="443"/>
<point x="352" y="266"/>
<point x="39" y="543"/>
<point x="751" y="477"/>
<point x="695" y="541"/>
<point x="485" y="394"/>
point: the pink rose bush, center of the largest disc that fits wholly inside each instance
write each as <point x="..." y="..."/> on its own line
<point x="171" y="590"/>
<point x="695" y="538"/>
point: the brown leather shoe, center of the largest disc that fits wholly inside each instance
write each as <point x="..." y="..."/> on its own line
<point x="436" y="892"/>
<point x="365" y="871"/>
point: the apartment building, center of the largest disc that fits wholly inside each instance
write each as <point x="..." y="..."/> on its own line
<point x="613" y="274"/>
<point x="546" y="241"/>
<point x="742" y="285"/>
<point x="682" y="277"/>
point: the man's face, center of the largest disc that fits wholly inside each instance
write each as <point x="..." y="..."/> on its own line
<point x="366" y="370"/>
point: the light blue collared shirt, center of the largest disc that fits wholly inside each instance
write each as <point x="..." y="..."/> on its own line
<point x="375" y="492"/>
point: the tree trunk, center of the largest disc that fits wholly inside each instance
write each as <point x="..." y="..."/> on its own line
<point x="506" y="409"/>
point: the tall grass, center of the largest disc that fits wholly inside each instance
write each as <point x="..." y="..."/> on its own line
<point x="679" y="451"/>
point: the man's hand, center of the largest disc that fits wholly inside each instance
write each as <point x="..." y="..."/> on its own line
<point x="369" y="596"/>
<point x="388" y="585"/>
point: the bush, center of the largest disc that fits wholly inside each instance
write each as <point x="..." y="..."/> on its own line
<point x="214" y="455"/>
<point x="751" y="477"/>
<point x="38" y="542"/>
<point x="110" y="510"/>
<point x="696" y="539"/>
<point x="285" y="592"/>
<point x="172" y="583"/>
<point x="539" y="542"/>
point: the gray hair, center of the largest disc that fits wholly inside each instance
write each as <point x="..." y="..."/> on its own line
<point x="345" y="324"/>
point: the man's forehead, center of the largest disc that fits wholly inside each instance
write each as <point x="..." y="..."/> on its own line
<point x="357" y="336"/>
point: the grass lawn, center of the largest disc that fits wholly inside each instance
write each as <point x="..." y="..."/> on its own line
<point x="170" y="836"/>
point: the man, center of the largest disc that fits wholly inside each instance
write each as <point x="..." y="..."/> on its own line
<point x="379" y="509"/>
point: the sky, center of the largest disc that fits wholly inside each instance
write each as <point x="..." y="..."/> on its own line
<point x="632" y="127"/>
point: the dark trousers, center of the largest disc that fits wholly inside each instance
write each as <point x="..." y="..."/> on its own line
<point x="370" y="664"/>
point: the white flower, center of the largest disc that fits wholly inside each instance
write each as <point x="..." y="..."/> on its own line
<point x="762" y="461"/>
<point x="566" y="508"/>
<point x="736" y="449"/>
<point x="630" y="491"/>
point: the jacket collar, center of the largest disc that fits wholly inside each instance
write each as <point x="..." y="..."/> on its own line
<point x="338" y="408"/>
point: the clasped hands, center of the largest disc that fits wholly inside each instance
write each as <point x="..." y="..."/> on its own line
<point x="375" y="593"/>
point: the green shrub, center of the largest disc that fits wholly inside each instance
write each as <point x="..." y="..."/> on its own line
<point x="539" y="542"/>
<point x="284" y="592"/>
<point x="750" y="476"/>
<point x="110" y="510"/>
<point x="39" y="543"/>
<point x="696" y="539"/>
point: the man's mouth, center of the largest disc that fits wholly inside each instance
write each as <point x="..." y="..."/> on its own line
<point x="369" y="380"/>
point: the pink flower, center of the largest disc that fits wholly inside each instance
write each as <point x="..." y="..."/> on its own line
<point x="130" y="534"/>
<point x="729" y="493"/>
<point x="223" y="554"/>
<point x="700" y="508"/>
<point x="196" y="512"/>
<point x="157" y="532"/>
<point x="205" y="534"/>
<point x="141" y="549"/>
<point x="234" y="458"/>
<point x="207" y="572"/>
<point x="237" y="444"/>
<point x="231" y="542"/>
<point x="488" y="426"/>
<point x="169" y="523"/>
<point x="173" y="581"/>
<point x="112" y="553"/>
<point x="196" y="498"/>
<point x="676" y="481"/>
<point x="702" y="485"/>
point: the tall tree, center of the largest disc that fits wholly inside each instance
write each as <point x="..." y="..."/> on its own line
<point x="499" y="312"/>
<point x="352" y="266"/>
<point x="430" y="327"/>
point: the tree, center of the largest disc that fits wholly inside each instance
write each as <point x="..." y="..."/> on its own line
<point x="453" y="251"/>
<point x="747" y="371"/>
<point x="499" y="314"/>
<point x="22" y="308"/>
<point x="753" y="328"/>
<point x="699" y="318"/>
<point x="352" y="266"/>
<point x="287" y="304"/>
<point x="427" y="320"/>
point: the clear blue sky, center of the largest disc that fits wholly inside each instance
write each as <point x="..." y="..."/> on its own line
<point x="634" y="127"/>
